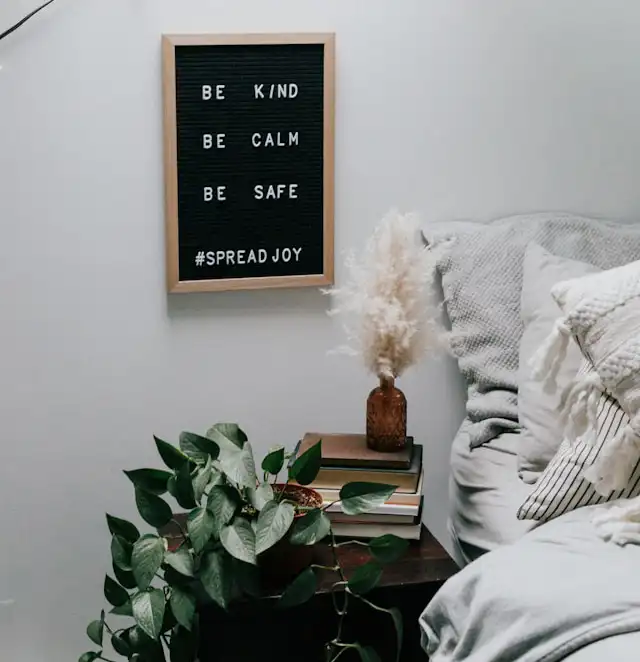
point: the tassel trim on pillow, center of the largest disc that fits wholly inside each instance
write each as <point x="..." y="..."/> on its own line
<point x="579" y="401"/>
<point x="545" y="363"/>
<point x="579" y="408"/>
<point x="616" y="461"/>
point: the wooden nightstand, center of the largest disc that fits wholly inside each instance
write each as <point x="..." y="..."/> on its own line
<point x="257" y="632"/>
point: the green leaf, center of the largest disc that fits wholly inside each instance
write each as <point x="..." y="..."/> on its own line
<point x="173" y="457"/>
<point x="201" y="480"/>
<point x="114" y="593"/>
<point x="238" y="466"/>
<point x="124" y="577"/>
<point x="305" y="468"/>
<point x="365" y="578"/>
<point x="367" y="653"/>
<point x="146" y="559"/>
<point x="174" y="578"/>
<point x="89" y="656"/>
<point x="122" y="528"/>
<point x="182" y="561"/>
<point x="123" y="610"/>
<point x="274" y="521"/>
<point x="301" y="589"/>
<point x="358" y="498"/>
<point x="311" y="528"/>
<point x="273" y="462"/>
<point x="214" y="578"/>
<point x="153" y="510"/>
<point x="217" y="478"/>
<point x="172" y="487"/>
<point x="139" y="641"/>
<point x="239" y="540"/>
<point x="183" y="606"/>
<point x="95" y="630"/>
<point x="121" y="552"/>
<point x="148" y="610"/>
<point x="200" y="527"/>
<point x="183" y="647"/>
<point x="222" y="504"/>
<point x="227" y="435"/>
<point x="397" y="623"/>
<point x="184" y="488"/>
<point x="120" y="644"/>
<point x="247" y="578"/>
<point x="169" y="621"/>
<point x="388" y="548"/>
<point x="202" y="444"/>
<point x="150" y="480"/>
<point x="261" y="496"/>
<point x="191" y="450"/>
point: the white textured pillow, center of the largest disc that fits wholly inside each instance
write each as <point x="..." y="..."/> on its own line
<point x="538" y="407"/>
<point x="562" y="486"/>
<point x="602" y="312"/>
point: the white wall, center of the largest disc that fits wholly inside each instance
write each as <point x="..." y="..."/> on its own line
<point x="453" y="108"/>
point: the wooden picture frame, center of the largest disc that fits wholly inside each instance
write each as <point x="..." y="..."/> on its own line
<point x="169" y="44"/>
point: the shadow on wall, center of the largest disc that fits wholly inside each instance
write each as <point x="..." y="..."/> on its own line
<point x="252" y="304"/>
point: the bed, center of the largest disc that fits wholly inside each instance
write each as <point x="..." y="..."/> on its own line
<point x="530" y="590"/>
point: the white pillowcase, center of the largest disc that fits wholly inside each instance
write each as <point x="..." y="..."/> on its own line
<point x="602" y="313"/>
<point x="538" y="407"/>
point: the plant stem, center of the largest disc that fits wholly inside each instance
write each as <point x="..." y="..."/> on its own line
<point x="325" y="567"/>
<point x="368" y="602"/>
<point x="185" y="535"/>
<point x="335" y="555"/>
<point x="166" y="643"/>
<point x="343" y="647"/>
<point x="343" y="611"/>
<point x="352" y="542"/>
<point x="333" y="503"/>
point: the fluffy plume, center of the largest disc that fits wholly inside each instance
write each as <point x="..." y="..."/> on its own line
<point x="387" y="312"/>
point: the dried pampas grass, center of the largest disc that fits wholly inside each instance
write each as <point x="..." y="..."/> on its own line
<point x="389" y="318"/>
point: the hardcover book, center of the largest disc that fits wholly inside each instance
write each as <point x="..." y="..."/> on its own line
<point x="405" y="480"/>
<point x="351" y="450"/>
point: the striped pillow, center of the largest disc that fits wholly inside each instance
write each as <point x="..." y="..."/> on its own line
<point x="561" y="487"/>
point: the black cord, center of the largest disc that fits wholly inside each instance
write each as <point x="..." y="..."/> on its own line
<point x="20" y="23"/>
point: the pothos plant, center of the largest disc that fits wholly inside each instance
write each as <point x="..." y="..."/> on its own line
<point x="232" y="518"/>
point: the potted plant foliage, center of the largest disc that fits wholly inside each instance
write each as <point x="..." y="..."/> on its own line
<point x="234" y="515"/>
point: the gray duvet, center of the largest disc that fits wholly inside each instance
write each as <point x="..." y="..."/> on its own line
<point x="557" y="593"/>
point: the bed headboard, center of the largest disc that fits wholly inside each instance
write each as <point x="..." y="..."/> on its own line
<point x="436" y="397"/>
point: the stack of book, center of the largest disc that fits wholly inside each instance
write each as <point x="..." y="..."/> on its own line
<point x="345" y="459"/>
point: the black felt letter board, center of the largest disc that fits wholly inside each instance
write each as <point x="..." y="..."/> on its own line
<point x="249" y="161"/>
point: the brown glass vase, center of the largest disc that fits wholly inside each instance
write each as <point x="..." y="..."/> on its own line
<point x="386" y="417"/>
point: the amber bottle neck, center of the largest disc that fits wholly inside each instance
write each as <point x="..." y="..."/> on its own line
<point x="386" y="382"/>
